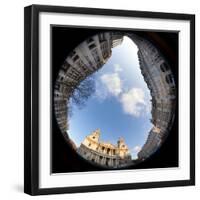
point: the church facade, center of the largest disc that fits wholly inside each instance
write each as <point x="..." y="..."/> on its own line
<point x="104" y="154"/>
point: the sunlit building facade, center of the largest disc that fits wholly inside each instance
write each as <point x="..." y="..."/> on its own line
<point x="104" y="153"/>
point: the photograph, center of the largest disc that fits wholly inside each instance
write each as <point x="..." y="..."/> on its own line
<point x="114" y="95"/>
<point x="109" y="99"/>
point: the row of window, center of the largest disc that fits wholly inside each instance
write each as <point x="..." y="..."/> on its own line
<point x="163" y="67"/>
<point x="107" y="161"/>
<point x="101" y="37"/>
<point x="108" y="150"/>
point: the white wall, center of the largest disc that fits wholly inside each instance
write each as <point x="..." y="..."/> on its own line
<point x="11" y="101"/>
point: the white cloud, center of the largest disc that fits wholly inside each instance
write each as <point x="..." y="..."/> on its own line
<point x="117" y="68"/>
<point x="101" y="92"/>
<point x="109" y="84"/>
<point x="134" y="151"/>
<point x="133" y="102"/>
<point x="137" y="148"/>
<point x="113" y="83"/>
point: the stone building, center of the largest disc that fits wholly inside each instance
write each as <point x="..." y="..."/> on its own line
<point x="160" y="81"/>
<point x="116" y="38"/>
<point x="104" y="153"/>
<point x="152" y="143"/>
<point x="83" y="61"/>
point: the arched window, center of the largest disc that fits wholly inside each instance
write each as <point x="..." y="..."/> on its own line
<point x="107" y="161"/>
<point x="90" y="40"/>
<point x="154" y="50"/>
<point x="108" y="151"/>
<point x="164" y="67"/>
<point x="169" y="79"/>
<point x="75" y="58"/>
<point x="92" y="46"/>
<point x="66" y="65"/>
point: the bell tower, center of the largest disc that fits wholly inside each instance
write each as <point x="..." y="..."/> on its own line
<point x="95" y="135"/>
<point x="122" y="148"/>
<point x="121" y="144"/>
<point x="91" y="141"/>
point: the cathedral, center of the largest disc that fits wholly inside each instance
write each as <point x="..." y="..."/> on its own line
<point x="104" y="154"/>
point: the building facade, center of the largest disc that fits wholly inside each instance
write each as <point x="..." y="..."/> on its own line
<point x="116" y="38"/>
<point x="104" y="153"/>
<point x="160" y="81"/>
<point x="152" y="143"/>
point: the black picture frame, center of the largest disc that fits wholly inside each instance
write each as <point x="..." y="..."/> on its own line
<point x="31" y="98"/>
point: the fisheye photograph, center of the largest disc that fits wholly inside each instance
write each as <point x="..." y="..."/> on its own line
<point x="109" y="100"/>
<point x="114" y="95"/>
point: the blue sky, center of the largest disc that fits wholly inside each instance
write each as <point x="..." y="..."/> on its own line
<point x="120" y="107"/>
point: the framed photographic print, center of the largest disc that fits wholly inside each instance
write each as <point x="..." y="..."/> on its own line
<point x="109" y="100"/>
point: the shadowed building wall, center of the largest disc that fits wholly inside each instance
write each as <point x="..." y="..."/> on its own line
<point x="160" y="81"/>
